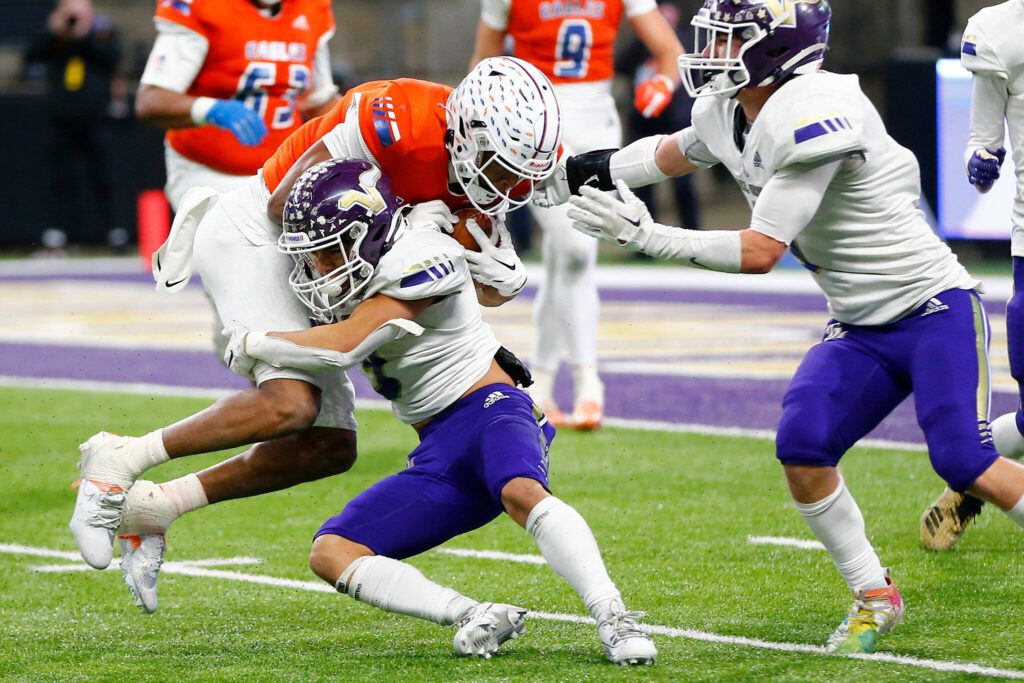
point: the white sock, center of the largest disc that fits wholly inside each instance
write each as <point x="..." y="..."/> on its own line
<point x="587" y="383"/>
<point x="1006" y="437"/>
<point x="146" y="452"/>
<point x="185" y="494"/>
<point x="839" y="525"/>
<point x="567" y="543"/>
<point x="398" y="587"/>
<point x="1016" y="513"/>
<point x="543" y="387"/>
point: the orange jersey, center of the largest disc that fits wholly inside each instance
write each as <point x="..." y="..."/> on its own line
<point x="569" y="40"/>
<point x="264" y="61"/>
<point x="402" y="123"/>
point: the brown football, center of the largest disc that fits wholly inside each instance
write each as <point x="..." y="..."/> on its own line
<point x="461" y="233"/>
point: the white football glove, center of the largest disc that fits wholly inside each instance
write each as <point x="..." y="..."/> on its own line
<point x="496" y="264"/>
<point x="554" y="190"/>
<point x="626" y="221"/>
<point x="235" y="357"/>
<point x="435" y="212"/>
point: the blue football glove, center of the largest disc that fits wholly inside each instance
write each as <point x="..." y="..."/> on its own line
<point x="983" y="168"/>
<point x="244" y="123"/>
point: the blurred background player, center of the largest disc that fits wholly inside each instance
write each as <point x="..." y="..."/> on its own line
<point x="416" y="330"/>
<point x="230" y="80"/>
<point x="813" y="158"/>
<point x="992" y="50"/>
<point x="467" y="153"/>
<point x="79" y="52"/>
<point x="573" y="46"/>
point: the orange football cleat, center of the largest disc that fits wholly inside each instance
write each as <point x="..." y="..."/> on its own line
<point x="587" y="416"/>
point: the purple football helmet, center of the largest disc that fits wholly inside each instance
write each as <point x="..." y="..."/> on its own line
<point x="339" y="212"/>
<point x="753" y="43"/>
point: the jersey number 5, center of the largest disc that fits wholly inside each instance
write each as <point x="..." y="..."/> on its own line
<point x="572" y="51"/>
<point x="259" y="77"/>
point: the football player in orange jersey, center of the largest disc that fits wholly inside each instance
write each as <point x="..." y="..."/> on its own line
<point x="488" y="143"/>
<point x="230" y="80"/>
<point x="571" y="42"/>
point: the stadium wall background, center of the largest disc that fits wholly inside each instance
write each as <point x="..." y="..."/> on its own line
<point x="383" y="38"/>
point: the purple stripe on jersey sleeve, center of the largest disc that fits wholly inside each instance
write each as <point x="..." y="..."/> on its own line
<point x="969" y="49"/>
<point x="809" y="132"/>
<point x="415" y="279"/>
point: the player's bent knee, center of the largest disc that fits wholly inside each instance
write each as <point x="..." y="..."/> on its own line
<point x="331" y="555"/>
<point x="799" y="443"/>
<point x="334" y="449"/>
<point x="520" y="495"/>
<point x="961" y="464"/>
<point x="292" y="405"/>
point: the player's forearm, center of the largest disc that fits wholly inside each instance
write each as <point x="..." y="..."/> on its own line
<point x="662" y="42"/>
<point x="489" y="296"/>
<point x="488" y="44"/>
<point x="164" y="108"/>
<point x="988" y="111"/>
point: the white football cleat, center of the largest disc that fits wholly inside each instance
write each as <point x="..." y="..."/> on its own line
<point x="486" y="625"/>
<point x="623" y="641"/>
<point x="146" y="517"/>
<point x="103" y="481"/>
<point x="141" y="558"/>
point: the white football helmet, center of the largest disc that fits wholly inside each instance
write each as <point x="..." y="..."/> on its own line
<point x="504" y="112"/>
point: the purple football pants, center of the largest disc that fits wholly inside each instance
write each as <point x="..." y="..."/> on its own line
<point x="453" y="483"/>
<point x="857" y="375"/>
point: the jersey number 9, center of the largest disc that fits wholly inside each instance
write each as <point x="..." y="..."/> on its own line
<point x="572" y="51"/>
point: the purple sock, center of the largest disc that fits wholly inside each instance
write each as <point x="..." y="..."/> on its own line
<point x="1015" y="334"/>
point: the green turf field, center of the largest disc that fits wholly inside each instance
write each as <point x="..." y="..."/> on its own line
<point x="672" y="513"/>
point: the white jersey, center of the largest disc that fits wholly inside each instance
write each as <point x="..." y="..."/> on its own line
<point x="993" y="51"/>
<point x="423" y="375"/>
<point x="868" y="246"/>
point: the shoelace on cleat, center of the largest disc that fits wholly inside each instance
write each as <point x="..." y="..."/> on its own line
<point x="624" y="625"/>
<point x="108" y="511"/>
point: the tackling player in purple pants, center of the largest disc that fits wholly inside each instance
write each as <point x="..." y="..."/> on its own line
<point x="991" y="49"/>
<point x="409" y="315"/>
<point x="824" y="179"/>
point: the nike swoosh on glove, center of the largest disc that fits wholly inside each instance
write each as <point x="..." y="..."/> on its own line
<point x="235" y="357"/>
<point x="496" y="264"/>
<point x="242" y="122"/>
<point x="599" y="214"/>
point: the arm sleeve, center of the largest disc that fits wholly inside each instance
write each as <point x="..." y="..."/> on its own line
<point x="694" y="149"/>
<point x="988" y="110"/>
<point x="494" y="13"/>
<point x="322" y="87"/>
<point x="635" y="8"/>
<point x="790" y="199"/>
<point x="177" y="57"/>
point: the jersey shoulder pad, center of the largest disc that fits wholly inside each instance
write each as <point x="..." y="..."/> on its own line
<point x="978" y="53"/>
<point x="187" y="13"/>
<point x="821" y="117"/>
<point x="422" y="263"/>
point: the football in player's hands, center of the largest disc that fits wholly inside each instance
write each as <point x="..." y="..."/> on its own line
<point x="461" y="233"/>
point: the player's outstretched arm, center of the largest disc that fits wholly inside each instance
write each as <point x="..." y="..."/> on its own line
<point x="375" y="322"/>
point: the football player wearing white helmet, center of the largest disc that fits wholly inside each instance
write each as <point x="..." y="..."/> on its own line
<point x="991" y="49"/>
<point x="303" y="423"/>
<point x="824" y="179"/>
<point x="573" y="47"/>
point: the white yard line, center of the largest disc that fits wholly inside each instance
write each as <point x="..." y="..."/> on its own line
<point x="189" y="569"/>
<point x="785" y="541"/>
<point x="493" y="555"/>
<point x="380" y="404"/>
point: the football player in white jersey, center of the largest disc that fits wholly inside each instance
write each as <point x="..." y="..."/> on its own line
<point x="992" y="50"/>
<point x="410" y="316"/>
<point x="824" y="179"/>
<point x="572" y="44"/>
